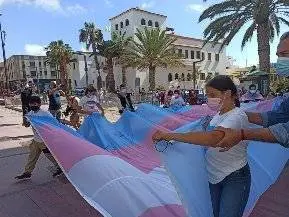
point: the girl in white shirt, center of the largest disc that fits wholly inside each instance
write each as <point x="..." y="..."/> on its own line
<point x="228" y="172"/>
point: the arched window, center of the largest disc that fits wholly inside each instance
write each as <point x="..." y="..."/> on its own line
<point x="183" y="76"/>
<point x="126" y="22"/>
<point x="116" y="26"/>
<point x="121" y="24"/>
<point x="176" y="76"/>
<point x="157" y="24"/>
<point x="189" y="77"/>
<point x="143" y="21"/>
<point x="150" y="23"/>
<point x="170" y="77"/>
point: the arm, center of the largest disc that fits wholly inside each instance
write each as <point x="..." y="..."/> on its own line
<point x="210" y="139"/>
<point x="255" y="118"/>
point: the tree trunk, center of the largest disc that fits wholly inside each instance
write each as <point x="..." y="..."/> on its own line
<point x="63" y="74"/>
<point x="263" y="39"/>
<point x="152" y="77"/>
<point x="123" y="73"/>
<point x="110" y="75"/>
<point x="99" y="80"/>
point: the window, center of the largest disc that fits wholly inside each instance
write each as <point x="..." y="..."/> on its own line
<point x="198" y="54"/>
<point x="39" y="64"/>
<point x="120" y="32"/>
<point x="126" y="22"/>
<point x="176" y="76"/>
<point x="45" y="73"/>
<point x="170" y="77"/>
<point x="183" y="76"/>
<point x="209" y="56"/>
<point x="116" y="26"/>
<point x="217" y="57"/>
<point x="186" y="54"/>
<point x="150" y="23"/>
<point x="32" y="64"/>
<point x="203" y="55"/>
<point x="75" y="83"/>
<point x="143" y="22"/>
<point x="40" y="73"/>
<point x="53" y="73"/>
<point x="121" y="24"/>
<point x="180" y="52"/>
<point x="157" y="24"/>
<point x="189" y="78"/>
<point x="33" y="73"/>
<point x="23" y="65"/>
<point x="202" y="76"/>
<point x="74" y="66"/>
<point x="44" y="63"/>
<point x="192" y="54"/>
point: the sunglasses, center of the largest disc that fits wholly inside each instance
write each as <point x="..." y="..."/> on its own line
<point x="162" y="146"/>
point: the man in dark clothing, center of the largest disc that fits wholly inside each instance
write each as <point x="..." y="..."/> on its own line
<point x="25" y="98"/>
<point x="54" y="100"/>
<point x="125" y="99"/>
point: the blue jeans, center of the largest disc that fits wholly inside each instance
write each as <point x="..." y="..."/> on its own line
<point x="229" y="197"/>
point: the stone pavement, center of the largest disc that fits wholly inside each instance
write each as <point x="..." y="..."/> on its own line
<point x="42" y="196"/>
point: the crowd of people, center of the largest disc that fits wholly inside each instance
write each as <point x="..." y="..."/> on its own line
<point x="225" y="134"/>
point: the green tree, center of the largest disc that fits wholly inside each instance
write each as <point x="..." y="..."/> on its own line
<point x="153" y="48"/>
<point x="264" y="16"/>
<point x="113" y="50"/>
<point x="59" y="55"/>
<point x="93" y="38"/>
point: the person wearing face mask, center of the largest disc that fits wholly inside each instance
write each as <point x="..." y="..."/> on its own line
<point x="125" y="99"/>
<point x="275" y="123"/>
<point x="89" y="103"/>
<point x="54" y="95"/>
<point x="37" y="145"/>
<point x="25" y="97"/>
<point x="252" y="95"/>
<point x="228" y="172"/>
<point x="177" y="100"/>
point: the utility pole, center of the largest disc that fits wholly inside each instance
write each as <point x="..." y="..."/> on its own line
<point x="3" y="38"/>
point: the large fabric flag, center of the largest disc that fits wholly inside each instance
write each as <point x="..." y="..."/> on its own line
<point x="116" y="168"/>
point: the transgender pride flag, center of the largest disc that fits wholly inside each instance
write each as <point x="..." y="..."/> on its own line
<point x="116" y="168"/>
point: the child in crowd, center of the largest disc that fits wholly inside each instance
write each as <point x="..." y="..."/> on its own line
<point x="37" y="146"/>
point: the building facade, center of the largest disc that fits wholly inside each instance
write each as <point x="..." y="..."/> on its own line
<point x="214" y="63"/>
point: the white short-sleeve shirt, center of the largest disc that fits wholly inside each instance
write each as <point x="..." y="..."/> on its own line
<point x="221" y="164"/>
<point x="89" y="103"/>
<point x="41" y="112"/>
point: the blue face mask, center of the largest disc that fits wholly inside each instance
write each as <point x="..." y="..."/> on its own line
<point x="282" y="66"/>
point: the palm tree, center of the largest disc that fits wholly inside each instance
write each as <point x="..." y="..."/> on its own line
<point x="153" y="48"/>
<point x="230" y="16"/>
<point x="112" y="50"/>
<point x="59" y="55"/>
<point x="92" y="37"/>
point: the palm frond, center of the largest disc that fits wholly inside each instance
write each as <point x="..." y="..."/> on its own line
<point x="248" y="34"/>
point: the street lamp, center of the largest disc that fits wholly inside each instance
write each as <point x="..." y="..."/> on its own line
<point x="3" y="38"/>
<point x="85" y="65"/>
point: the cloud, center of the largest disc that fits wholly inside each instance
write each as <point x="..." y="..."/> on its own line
<point x="147" y="5"/>
<point x="195" y="8"/>
<point x="34" y="49"/>
<point x="48" y="5"/>
<point x="108" y="3"/>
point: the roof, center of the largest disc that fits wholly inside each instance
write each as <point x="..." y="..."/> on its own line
<point x="184" y="40"/>
<point x="136" y="9"/>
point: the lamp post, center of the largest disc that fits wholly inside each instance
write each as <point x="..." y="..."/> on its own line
<point x="3" y="38"/>
<point x="85" y="66"/>
<point x="195" y="71"/>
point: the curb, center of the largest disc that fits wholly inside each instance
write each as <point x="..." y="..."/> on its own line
<point x="14" y="109"/>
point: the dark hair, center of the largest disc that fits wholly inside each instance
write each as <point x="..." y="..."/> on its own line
<point x="35" y="99"/>
<point x="284" y="36"/>
<point x="223" y="83"/>
<point x="89" y="89"/>
<point x="177" y="91"/>
<point x="252" y="85"/>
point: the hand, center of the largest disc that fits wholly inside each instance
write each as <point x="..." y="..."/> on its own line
<point x="231" y="138"/>
<point x="159" y="135"/>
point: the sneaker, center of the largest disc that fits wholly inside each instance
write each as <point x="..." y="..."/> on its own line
<point x="23" y="176"/>
<point x="57" y="172"/>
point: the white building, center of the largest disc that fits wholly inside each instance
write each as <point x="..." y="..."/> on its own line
<point x="192" y="49"/>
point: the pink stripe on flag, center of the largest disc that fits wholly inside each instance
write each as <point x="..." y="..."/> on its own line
<point x="67" y="148"/>
<point x="165" y="211"/>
